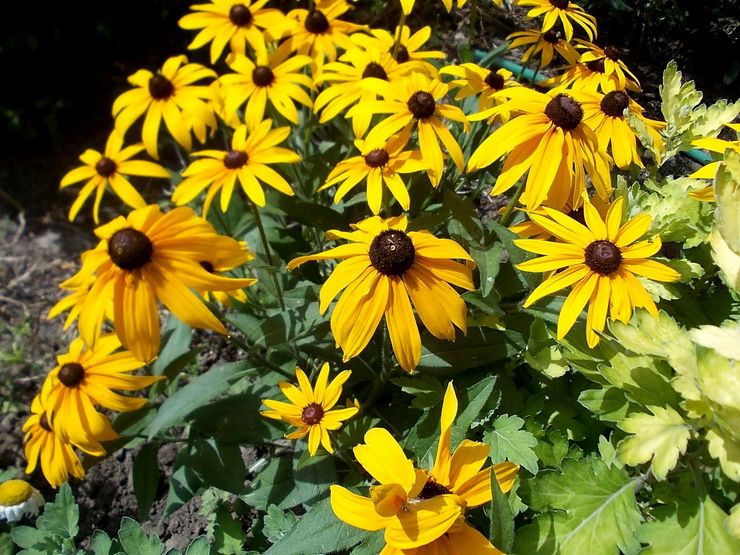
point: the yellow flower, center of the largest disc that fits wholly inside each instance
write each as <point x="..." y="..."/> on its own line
<point x="720" y="146"/>
<point x="475" y="80"/>
<point x="601" y="260"/>
<point x="219" y="266"/>
<point x="407" y="6"/>
<point x="148" y="256"/>
<point x="551" y="141"/>
<point x="41" y="445"/>
<point x="169" y="95"/>
<point x="530" y="230"/>
<point x="605" y="115"/>
<point x="547" y="44"/>
<point x="272" y="78"/>
<point x="18" y="498"/>
<point x="408" y="46"/>
<point x="310" y="408"/>
<point x="319" y="31"/>
<point x="448" y="4"/>
<point x="380" y="162"/>
<point x="384" y="266"/>
<point x="247" y="161"/>
<point x="415" y="101"/>
<point x="110" y="168"/>
<point x="591" y="77"/>
<point x="410" y="497"/>
<point x="608" y="62"/>
<point x="84" y="378"/>
<point x="567" y="12"/>
<point x="234" y="22"/>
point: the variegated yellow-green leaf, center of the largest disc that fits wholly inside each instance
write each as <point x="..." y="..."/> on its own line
<point x="727" y="451"/>
<point x="661" y="436"/>
<point x="732" y="523"/>
<point x="725" y="340"/>
<point x="726" y="259"/>
<point x="727" y="193"/>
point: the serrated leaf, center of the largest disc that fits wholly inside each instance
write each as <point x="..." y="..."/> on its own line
<point x="488" y="262"/>
<point x="508" y="442"/>
<point x="725" y="340"/>
<point x="145" y="475"/>
<point x="277" y="523"/>
<point x="199" y="546"/>
<point x="60" y="517"/>
<point x="501" y="531"/>
<point x="608" y="404"/>
<point x="479" y="400"/>
<point x="426" y="390"/>
<point x="228" y="536"/>
<point x="662" y="437"/>
<point x="28" y="537"/>
<point x="371" y="545"/>
<point x="727" y="193"/>
<point x="725" y="449"/>
<point x="591" y="509"/>
<point x="101" y="543"/>
<point x="135" y="540"/>
<point x="726" y="260"/>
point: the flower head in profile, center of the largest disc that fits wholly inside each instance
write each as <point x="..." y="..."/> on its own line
<point x="310" y="408"/>
<point x="379" y="162"/>
<point x="484" y="83"/>
<point x="550" y="140"/>
<point x="608" y="61"/>
<point x="546" y="44"/>
<point x="408" y="50"/>
<point x="170" y="95"/>
<point x="718" y="146"/>
<point x="383" y="266"/>
<point x="567" y="12"/>
<point x="236" y="23"/>
<point x="601" y="260"/>
<point x="147" y="256"/>
<point x="84" y="378"/>
<point x="45" y="448"/>
<point x="247" y="162"/>
<point x="273" y="78"/>
<point x="220" y="265"/>
<point x="18" y="498"/>
<point x="110" y="168"/>
<point x="423" y="511"/>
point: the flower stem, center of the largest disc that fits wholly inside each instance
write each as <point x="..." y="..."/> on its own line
<point x="399" y="32"/>
<point x="268" y="253"/>
<point x="504" y="221"/>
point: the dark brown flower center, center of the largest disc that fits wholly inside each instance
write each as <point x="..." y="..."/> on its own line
<point x="603" y="257"/>
<point x="551" y="36"/>
<point x="578" y="215"/>
<point x="392" y="252"/>
<point x="402" y="54"/>
<point x="564" y="111"/>
<point x="71" y="374"/>
<point x="312" y="414"/>
<point x="615" y="103"/>
<point x="207" y="266"/>
<point x="44" y="423"/>
<point x="560" y="4"/>
<point x="612" y="53"/>
<point x="240" y="15"/>
<point x="129" y="249"/>
<point x="105" y="167"/>
<point x="316" y="22"/>
<point x="377" y="158"/>
<point x="494" y="80"/>
<point x="262" y="76"/>
<point x="596" y="65"/>
<point x="160" y="87"/>
<point x="375" y="70"/>
<point x="432" y="489"/>
<point x="235" y="159"/>
<point x="421" y="105"/>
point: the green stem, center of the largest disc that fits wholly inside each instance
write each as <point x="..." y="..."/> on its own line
<point x="504" y="221"/>
<point x="399" y="32"/>
<point x="472" y="31"/>
<point x="268" y="254"/>
<point x="256" y="357"/>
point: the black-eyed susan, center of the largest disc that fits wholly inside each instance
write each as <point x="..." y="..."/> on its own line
<point x="147" y="256"/>
<point x="379" y="162"/>
<point x="549" y="140"/>
<point x="601" y="260"/>
<point x="383" y="266"/>
<point x="85" y="378"/>
<point x="530" y="230"/>
<point x="310" y="409"/>
<point x="44" y="448"/>
<point x="605" y="114"/>
<point x="220" y="266"/>
<point x="319" y="31"/>
<point x="486" y="83"/>
<point x="247" y="162"/>
<point x="415" y="102"/>
<point x="110" y="168"/>
<point x="608" y="62"/>
<point x="567" y="12"/>
<point x="236" y="23"/>
<point x="348" y="84"/>
<point x="545" y="44"/>
<point x="170" y="95"/>
<point x="591" y="77"/>
<point x="272" y="78"/>
<point x="409" y="46"/>
<point x="718" y="146"/>
<point x="18" y="498"/>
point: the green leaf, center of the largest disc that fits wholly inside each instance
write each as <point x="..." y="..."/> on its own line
<point x="426" y="390"/>
<point x="135" y="541"/>
<point x="544" y="352"/>
<point x="516" y="255"/>
<point x="218" y="464"/>
<point x="145" y="475"/>
<point x="371" y="545"/>
<point x="277" y="523"/>
<point x="501" y="532"/>
<point x="727" y="191"/>
<point x="318" y="532"/>
<point x="228" y="536"/>
<point x="60" y="517"/>
<point x="184" y="483"/>
<point x="176" y="352"/>
<point x="479" y="400"/>
<point x="481" y="347"/>
<point x="488" y="262"/>
<point x="509" y="442"/>
<point x="101" y="543"/>
<point x="591" y="508"/>
<point x="27" y="537"/>
<point x="609" y="403"/>
<point x="199" y="546"/>
<point x="662" y="436"/>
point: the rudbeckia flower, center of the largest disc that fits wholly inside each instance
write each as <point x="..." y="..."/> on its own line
<point x="170" y="95"/>
<point x="319" y="32"/>
<point x="380" y="162"/>
<point x="609" y="63"/>
<point x="591" y="77"/>
<point x="406" y="499"/>
<point x="567" y="12"/>
<point x="551" y="141"/>
<point x="236" y="23"/>
<point x="600" y="260"/>
<point x="42" y="446"/>
<point x="84" y="378"/>
<point x="530" y="230"/>
<point x="310" y="409"/>
<point x="605" y="115"/>
<point x="247" y="161"/>
<point x="18" y="498"/>
<point x="409" y="46"/>
<point x="219" y="266"/>
<point x="110" y="168"/>
<point x="148" y="256"/>
<point x="384" y="266"/>
<point x="272" y="78"/>
<point x="719" y="146"/>
<point x="547" y="44"/>
<point x="415" y="102"/>
<point x="475" y="80"/>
